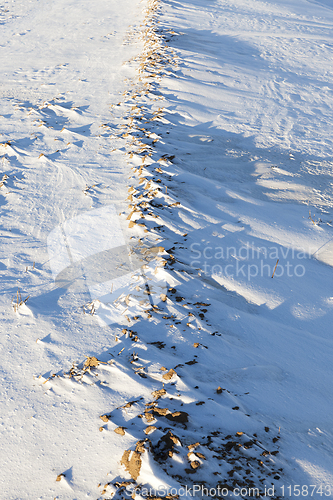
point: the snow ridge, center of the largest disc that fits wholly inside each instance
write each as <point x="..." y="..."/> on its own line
<point x="182" y="428"/>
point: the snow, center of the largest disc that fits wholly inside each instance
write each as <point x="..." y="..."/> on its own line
<point x="166" y="222"/>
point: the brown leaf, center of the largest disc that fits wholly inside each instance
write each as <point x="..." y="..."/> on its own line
<point x="133" y="464"/>
<point x="195" y="464"/>
<point x="170" y="374"/>
<point x="91" y="362"/>
<point x="130" y="403"/>
<point x="60" y="476"/>
<point x="105" y="418"/>
<point x="120" y="430"/>
<point x="152" y="403"/>
<point x="140" y="446"/>
<point x="149" y="416"/>
<point x="160" y="411"/>
<point x="149" y="429"/>
<point x="159" y="393"/>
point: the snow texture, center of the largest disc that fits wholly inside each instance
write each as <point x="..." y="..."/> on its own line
<point x="167" y="249"/>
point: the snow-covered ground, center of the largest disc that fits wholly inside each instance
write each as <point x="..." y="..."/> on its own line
<point x="166" y="210"/>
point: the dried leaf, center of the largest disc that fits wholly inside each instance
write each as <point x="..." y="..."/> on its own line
<point x="105" y="418"/>
<point x="149" y="429"/>
<point x="91" y="362"/>
<point x="192" y="447"/>
<point x="159" y="393"/>
<point x="120" y="431"/>
<point x="195" y="464"/>
<point x="149" y="416"/>
<point x="133" y="464"/>
<point x="170" y="374"/>
<point x="130" y="403"/>
<point x="140" y="446"/>
<point x="160" y="411"/>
